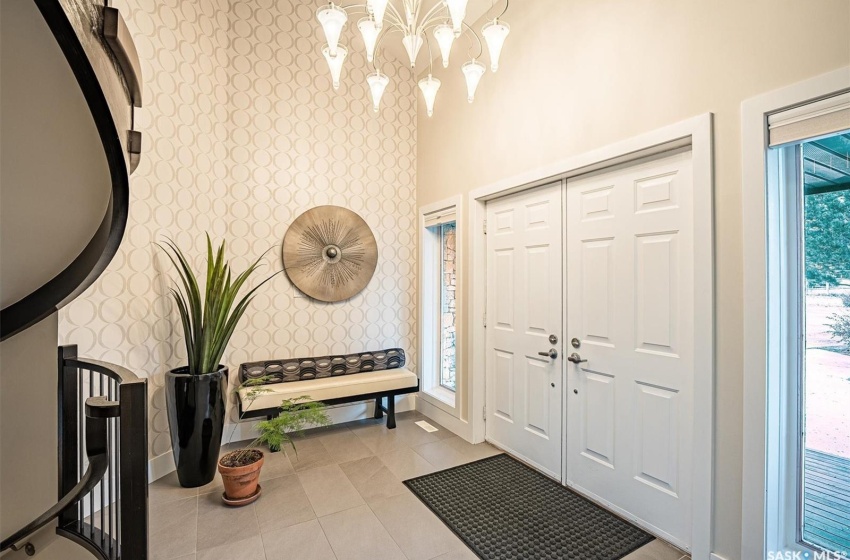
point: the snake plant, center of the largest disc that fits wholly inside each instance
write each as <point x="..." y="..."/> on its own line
<point x="209" y="319"/>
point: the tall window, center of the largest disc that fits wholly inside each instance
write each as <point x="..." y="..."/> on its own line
<point x="448" y="303"/>
<point x="809" y="328"/>
<point x="439" y="285"/>
<point x="824" y="171"/>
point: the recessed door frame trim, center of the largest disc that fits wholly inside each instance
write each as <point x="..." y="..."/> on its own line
<point x="697" y="134"/>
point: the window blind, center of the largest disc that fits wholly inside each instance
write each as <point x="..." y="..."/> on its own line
<point x="809" y="121"/>
<point x="441" y="217"/>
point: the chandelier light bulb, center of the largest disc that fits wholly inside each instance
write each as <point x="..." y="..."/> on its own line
<point x="335" y="62"/>
<point x="333" y="19"/>
<point x="370" y="33"/>
<point x="457" y="11"/>
<point x="472" y="71"/>
<point x="495" y="33"/>
<point x="429" y="87"/>
<point x="412" y="44"/>
<point x="377" y="8"/>
<point x="445" y="36"/>
<point x="377" y="84"/>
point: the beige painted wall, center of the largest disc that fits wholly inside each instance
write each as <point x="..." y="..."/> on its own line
<point x="579" y="75"/>
<point x="242" y="133"/>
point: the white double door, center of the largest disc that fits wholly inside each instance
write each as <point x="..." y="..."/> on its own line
<point x="604" y="263"/>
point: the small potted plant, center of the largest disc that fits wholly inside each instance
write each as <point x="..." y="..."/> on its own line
<point x="240" y="469"/>
<point x="195" y="393"/>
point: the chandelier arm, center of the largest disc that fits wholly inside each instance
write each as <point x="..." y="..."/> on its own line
<point x="353" y="6"/>
<point x="507" y="3"/>
<point x="480" y="45"/>
<point x="378" y="44"/>
<point x="430" y="56"/>
<point x="431" y="16"/>
<point x="412" y="7"/>
<point x="393" y="12"/>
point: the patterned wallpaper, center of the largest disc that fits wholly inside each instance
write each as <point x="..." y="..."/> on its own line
<point x="242" y="133"/>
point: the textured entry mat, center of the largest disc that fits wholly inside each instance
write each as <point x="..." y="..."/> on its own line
<point x="504" y="510"/>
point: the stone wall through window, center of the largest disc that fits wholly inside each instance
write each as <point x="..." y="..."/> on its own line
<point x="448" y="306"/>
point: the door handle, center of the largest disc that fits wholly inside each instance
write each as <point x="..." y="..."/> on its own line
<point x="552" y="353"/>
<point x="575" y="358"/>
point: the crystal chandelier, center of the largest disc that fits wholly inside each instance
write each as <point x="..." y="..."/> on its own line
<point x="443" y="23"/>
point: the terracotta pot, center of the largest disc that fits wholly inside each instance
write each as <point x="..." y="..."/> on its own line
<point x="241" y="483"/>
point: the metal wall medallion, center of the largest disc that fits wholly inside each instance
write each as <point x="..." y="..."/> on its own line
<point x="329" y="253"/>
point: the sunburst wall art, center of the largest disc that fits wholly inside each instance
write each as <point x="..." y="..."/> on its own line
<point x="329" y="253"/>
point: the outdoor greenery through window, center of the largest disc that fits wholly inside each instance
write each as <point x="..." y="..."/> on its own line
<point x="825" y="508"/>
<point x="448" y="305"/>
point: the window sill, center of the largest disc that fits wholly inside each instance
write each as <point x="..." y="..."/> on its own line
<point x="442" y="398"/>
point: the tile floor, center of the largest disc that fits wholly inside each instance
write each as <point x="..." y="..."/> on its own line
<point x="339" y="498"/>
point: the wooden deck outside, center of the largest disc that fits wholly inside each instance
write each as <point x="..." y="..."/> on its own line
<point x="826" y="499"/>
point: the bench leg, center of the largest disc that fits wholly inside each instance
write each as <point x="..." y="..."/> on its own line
<point x="390" y="412"/>
<point x="379" y="411"/>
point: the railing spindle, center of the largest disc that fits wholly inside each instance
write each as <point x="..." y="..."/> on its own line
<point x="102" y="485"/>
<point x="80" y="446"/>
<point x="91" y="494"/>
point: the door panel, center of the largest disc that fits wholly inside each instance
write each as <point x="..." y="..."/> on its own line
<point x="629" y="281"/>
<point x="525" y="306"/>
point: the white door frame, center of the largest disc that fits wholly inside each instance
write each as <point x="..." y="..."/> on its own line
<point x="764" y="490"/>
<point x="695" y="132"/>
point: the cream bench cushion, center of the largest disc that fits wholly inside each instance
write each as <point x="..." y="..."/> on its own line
<point x="330" y="388"/>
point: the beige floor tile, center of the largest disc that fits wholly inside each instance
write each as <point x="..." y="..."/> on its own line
<point x="474" y="452"/>
<point x="173" y="529"/>
<point x="441" y="433"/>
<point x="168" y="489"/>
<point x="414" y="435"/>
<point x="308" y="454"/>
<point x="248" y="549"/>
<point x="345" y="446"/>
<point x="324" y="431"/>
<point x="417" y="531"/>
<point x="367" y="425"/>
<point x="329" y="490"/>
<point x="382" y="441"/>
<point x="219" y="524"/>
<point x="372" y="479"/>
<point x="442" y="454"/>
<point x="283" y="503"/>
<point x="275" y="465"/>
<point x="460" y="554"/>
<point x="187" y="557"/>
<point x="405" y="463"/>
<point x="356" y="534"/>
<point x="215" y="486"/>
<point x="305" y="541"/>
<point x="656" y="550"/>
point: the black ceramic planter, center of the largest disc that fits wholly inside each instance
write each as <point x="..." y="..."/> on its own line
<point x="196" y="409"/>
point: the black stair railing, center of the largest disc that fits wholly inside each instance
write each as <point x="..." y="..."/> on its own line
<point x="103" y="492"/>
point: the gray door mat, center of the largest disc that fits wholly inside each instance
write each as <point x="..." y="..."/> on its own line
<point x="505" y="510"/>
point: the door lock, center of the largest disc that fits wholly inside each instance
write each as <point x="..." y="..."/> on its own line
<point x="575" y="358"/>
<point x="552" y="353"/>
<point x="553" y="339"/>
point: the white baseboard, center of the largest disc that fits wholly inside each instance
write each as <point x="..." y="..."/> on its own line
<point x="164" y="464"/>
<point x="160" y="466"/>
<point x="716" y="557"/>
<point x="448" y="421"/>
